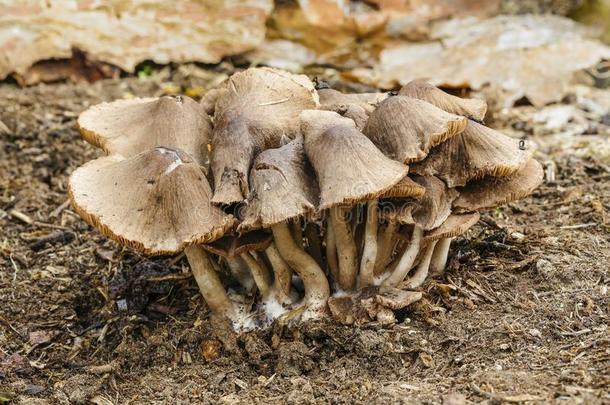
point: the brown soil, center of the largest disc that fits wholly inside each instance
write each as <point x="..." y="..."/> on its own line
<point x="521" y="314"/>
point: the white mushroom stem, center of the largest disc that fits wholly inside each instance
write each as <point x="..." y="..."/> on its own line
<point x="369" y="252"/>
<point x="408" y="258"/>
<point x="331" y="252"/>
<point x="421" y="272"/>
<point x="316" y="286"/>
<point x="259" y="273"/>
<point x="239" y="270"/>
<point x="439" y="257"/>
<point x="347" y="252"/>
<point x="282" y="274"/>
<point x="386" y="241"/>
<point x="209" y="283"/>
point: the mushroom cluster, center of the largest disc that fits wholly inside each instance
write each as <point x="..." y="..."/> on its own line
<point x="294" y="201"/>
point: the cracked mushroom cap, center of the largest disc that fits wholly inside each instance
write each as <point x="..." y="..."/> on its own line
<point x="468" y="107"/>
<point x="493" y="191"/>
<point x="454" y="225"/>
<point x="405" y="128"/>
<point x="475" y="153"/>
<point x="233" y="246"/>
<point x="260" y="106"/>
<point x="348" y="166"/>
<point x="157" y="202"/>
<point x="128" y="127"/>
<point x="430" y="211"/>
<point x="283" y="187"/>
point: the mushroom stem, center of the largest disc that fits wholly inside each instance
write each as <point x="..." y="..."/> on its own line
<point x="297" y="231"/>
<point x="346" y="250"/>
<point x="385" y="246"/>
<point x="407" y="259"/>
<point x="421" y="272"/>
<point x="314" y="244"/>
<point x="369" y="252"/>
<point x="209" y="283"/>
<point x="331" y="252"/>
<point x="316" y="286"/>
<point x="439" y="257"/>
<point x="282" y="274"/>
<point x="239" y="270"/>
<point x="259" y="273"/>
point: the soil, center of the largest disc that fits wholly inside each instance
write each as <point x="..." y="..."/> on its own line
<point x="521" y="315"/>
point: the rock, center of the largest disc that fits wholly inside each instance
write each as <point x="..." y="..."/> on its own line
<point x="125" y="33"/>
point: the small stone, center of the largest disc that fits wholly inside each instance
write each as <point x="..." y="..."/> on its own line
<point x="535" y="333"/>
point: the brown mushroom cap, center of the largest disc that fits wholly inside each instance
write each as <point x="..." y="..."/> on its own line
<point x="259" y="107"/>
<point x="455" y="225"/>
<point x="233" y="246"/>
<point x="467" y="107"/>
<point x="333" y="100"/>
<point x="475" y="153"/>
<point x="405" y="129"/>
<point x="283" y="187"/>
<point x="157" y="201"/>
<point x="405" y="188"/>
<point x="348" y="166"/>
<point x="128" y="127"/>
<point x="493" y="191"/>
<point x="429" y="211"/>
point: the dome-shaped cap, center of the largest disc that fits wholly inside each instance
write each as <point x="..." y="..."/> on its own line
<point x="475" y="153"/>
<point x="157" y="201"/>
<point x="283" y="187"/>
<point x="405" y="129"/>
<point x="349" y="168"/>
<point x="467" y="107"/>
<point x="490" y="192"/>
<point x="128" y="127"/>
<point x="333" y="100"/>
<point x="260" y="106"/>
<point x="454" y="225"/>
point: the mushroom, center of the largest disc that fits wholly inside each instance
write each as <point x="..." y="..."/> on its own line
<point x="493" y="191"/>
<point x="258" y="108"/>
<point x="433" y="208"/>
<point x="245" y="247"/>
<point x="128" y="127"/>
<point x="468" y="107"/>
<point x="405" y="188"/>
<point x="284" y="190"/>
<point x="157" y="202"/>
<point x="475" y="153"/>
<point x="350" y="170"/>
<point x="438" y="242"/>
<point x="333" y="100"/>
<point x="405" y="129"/>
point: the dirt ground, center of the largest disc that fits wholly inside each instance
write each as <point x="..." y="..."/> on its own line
<point x="521" y="315"/>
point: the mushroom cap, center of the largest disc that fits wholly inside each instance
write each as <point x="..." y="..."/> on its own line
<point x="356" y="113"/>
<point x="453" y="226"/>
<point x="430" y="211"/>
<point x="333" y="100"/>
<point x="405" y="188"/>
<point x="283" y="187"/>
<point x="493" y="191"/>
<point x="259" y="107"/>
<point x="128" y="127"/>
<point x="157" y="202"/>
<point x="405" y="128"/>
<point x="467" y="107"/>
<point x="349" y="167"/>
<point x="475" y="153"/>
<point x="232" y="246"/>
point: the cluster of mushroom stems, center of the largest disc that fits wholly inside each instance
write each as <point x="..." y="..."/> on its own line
<point x="294" y="201"/>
